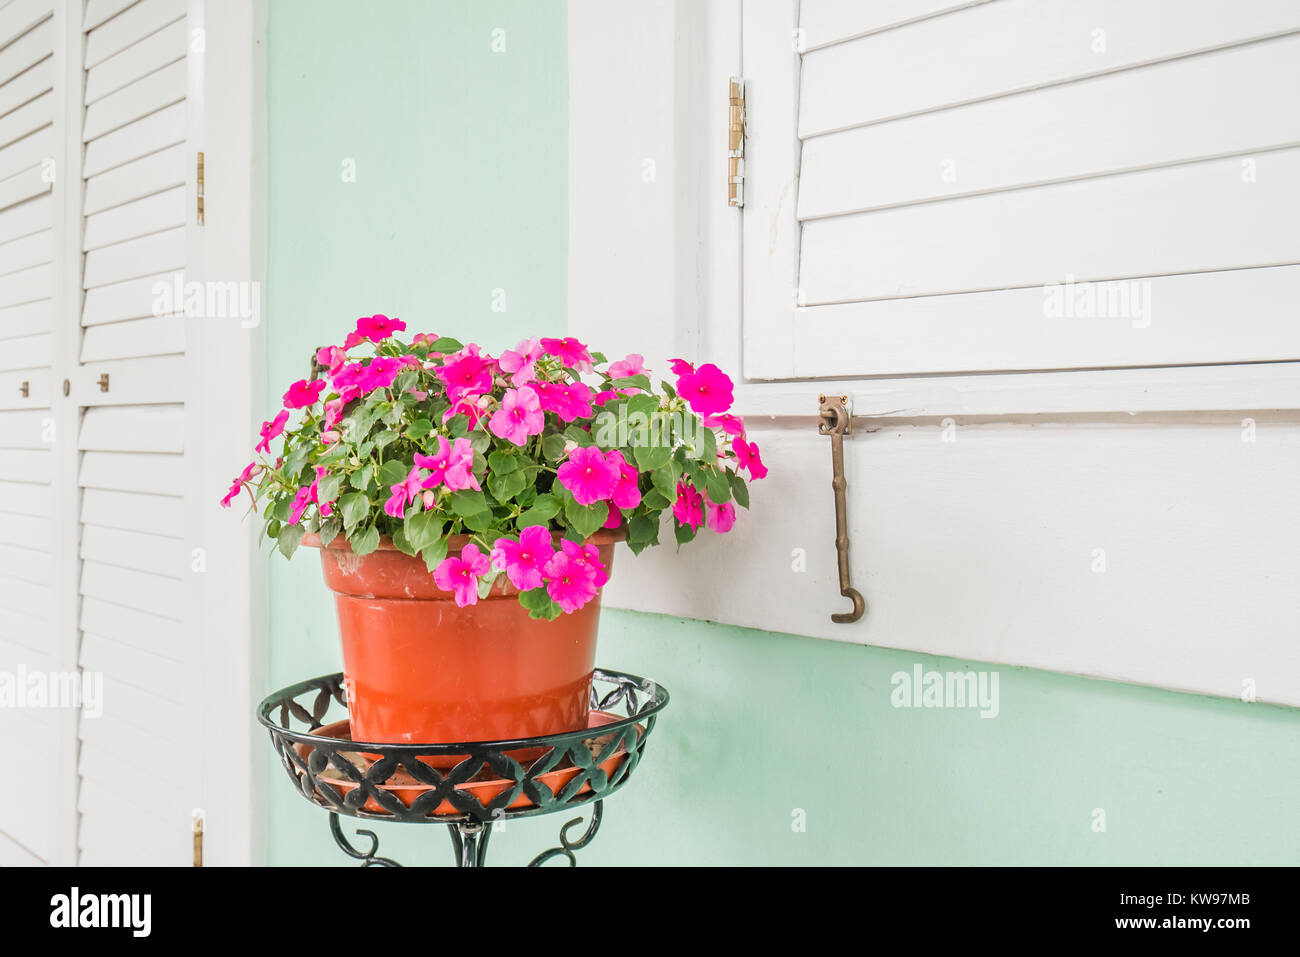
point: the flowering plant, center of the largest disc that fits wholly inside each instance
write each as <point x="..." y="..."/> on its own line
<point x="424" y="440"/>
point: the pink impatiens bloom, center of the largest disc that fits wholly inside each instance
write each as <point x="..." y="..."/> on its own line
<point x="588" y="475"/>
<point x="472" y="407"/>
<point x="570" y="352"/>
<point x="633" y="365"/>
<point x="466" y="373"/>
<point x="588" y="557"/>
<point x="331" y="357"/>
<point x="708" y="390"/>
<point x="271" y="430"/>
<point x="570" y="582"/>
<point x="731" y="424"/>
<point x="452" y="465"/>
<point x="378" y="328"/>
<point x="689" y="507"/>
<point x="300" y="503"/>
<point x="613" y="517"/>
<point x="404" y="491"/>
<point x="680" y="367"/>
<point x="524" y="560"/>
<point x="519" y="362"/>
<point x="722" y="517"/>
<point x="747" y="457"/>
<point x="380" y="373"/>
<point x="569" y="402"/>
<point x="251" y="469"/>
<point x="519" y="417"/>
<point x="303" y="393"/>
<point x="460" y="575"/>
<point x="625" y="493"/>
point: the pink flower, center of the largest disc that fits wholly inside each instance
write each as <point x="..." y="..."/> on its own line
<point x="633" y="365"/>
<point x="271" y="430"/>
<point x="588" y="475"/>
<point x="519" y="417"/>
<point x="353" y="339"/>
<point x="731" y="424"/>
<point x="303" y="393"/>
<point x="708" y="390"/>
<point x="613" y="517"/>
<point x="460" y="575"/>
<point x="424" y="338"/>
<point x="378" y="328"/>
<point x="588" y="557"/>
<point x="524" y="560"/>
<point x="571" y="583"/>
<point x="333" y="412"/>
<point x="466" y="373"/>
<point x="300" y="503"/>
<point x="569" y="402"/>
<point x="625" y="493"/>
<point x="380" y="373"/>
<point x="600" y="398"/>
<point x="326" y="508"/>
<point x="520" y="361"/>
<point x="689" y="507"/>
<point x="747" y="457"/>
<point x="331" y="357"/>
<point x="407" y="490"/>
<point x="452" y="465"/>
<point x="251" y="469"/>
<point x="680" y="367"/>
<point x="570" y="352"/>
<point x="721" y="517"/>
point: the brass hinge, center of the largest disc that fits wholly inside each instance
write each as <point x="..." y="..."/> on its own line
<point x="736" y="144"/>
<point x="198" y="192"/>
<point x="198" y="837"/>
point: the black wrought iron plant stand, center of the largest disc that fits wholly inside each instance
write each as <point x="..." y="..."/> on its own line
<point x="468" y="786"/>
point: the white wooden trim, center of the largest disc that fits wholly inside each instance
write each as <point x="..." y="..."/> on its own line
<point x="65" y="744"/>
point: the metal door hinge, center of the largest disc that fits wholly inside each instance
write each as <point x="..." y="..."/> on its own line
<point x="198" y="188"/>
<point x="736" y="144"/>
<point x="198" y="837"/>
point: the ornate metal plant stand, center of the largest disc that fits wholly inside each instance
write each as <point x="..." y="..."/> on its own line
<point x="469" y="786"/>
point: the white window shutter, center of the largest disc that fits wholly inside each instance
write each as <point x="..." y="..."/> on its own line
<point x="941" y="187"/>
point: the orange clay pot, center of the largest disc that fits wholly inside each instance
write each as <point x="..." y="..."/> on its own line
<point x="419" y="670"/>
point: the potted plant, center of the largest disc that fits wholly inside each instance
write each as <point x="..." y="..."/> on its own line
<point x="466" y="508"/>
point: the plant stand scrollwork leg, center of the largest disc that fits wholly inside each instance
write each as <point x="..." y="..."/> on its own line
<point x="367" y="858"/>
<point x="567" y="847"/>
<point x="470" y="841"/>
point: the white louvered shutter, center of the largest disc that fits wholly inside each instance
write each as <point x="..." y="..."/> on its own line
<point x="137" y="161"/>
<point x="27" y="286"/>
<point x="919" y="171"/>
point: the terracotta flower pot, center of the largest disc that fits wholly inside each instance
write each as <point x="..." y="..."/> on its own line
<point x="419" y="670"/>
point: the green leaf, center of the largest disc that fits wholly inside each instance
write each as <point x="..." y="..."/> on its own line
<point x="467" y="502"/>
<point x="363" y="543"/>
<point x="716" y="487"/>
<point x="434" y="554"/>
<point x="643" y="404"/>
<point x="401" y="542"/>
<point x="506" y="487"/>
<point x="392" y="472"/>
<point x="327" y="489"/>
<point x="294" y="462"/>
<point x="384" y="439"/>
<point x="422" y="530"/>
<point x="545" y="508"/>
<point x="586" y="520"/>
<point x="540" y="604"/>
<point x="576" y="434"/>
<point x="446" y="344"/>
<point x="480" y="441"/>
<point x="650" y="457"/>
<point x="329" y="529"/>
<point x="503" y="462"/>
<point x="642" y="531"/>
<point x="553" y="446"/>
<point x="641" y="382"/>
<point x="360" y="479"/>
<point x="684" y="533"/>
<point x="419" y="429"/>
<point x="665" y="480"/>
<point x="738" y="488"/>
<point x="353" y="507"/>
<point x="289" y="539"/>
<point x="658" y="500"/>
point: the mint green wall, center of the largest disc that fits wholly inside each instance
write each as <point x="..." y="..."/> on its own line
<point x="461" y="189"/>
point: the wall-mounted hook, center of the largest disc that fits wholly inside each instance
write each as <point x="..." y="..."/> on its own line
<point x="834" y="419"/>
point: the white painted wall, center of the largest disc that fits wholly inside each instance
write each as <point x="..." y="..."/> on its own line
<point x="983" y="547"/>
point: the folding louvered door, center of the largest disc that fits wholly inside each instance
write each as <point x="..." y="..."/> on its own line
<point x="27" y="317"/>
<point x="134" y="566"/>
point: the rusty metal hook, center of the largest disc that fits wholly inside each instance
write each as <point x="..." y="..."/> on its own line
<point x="835" y="420"/>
